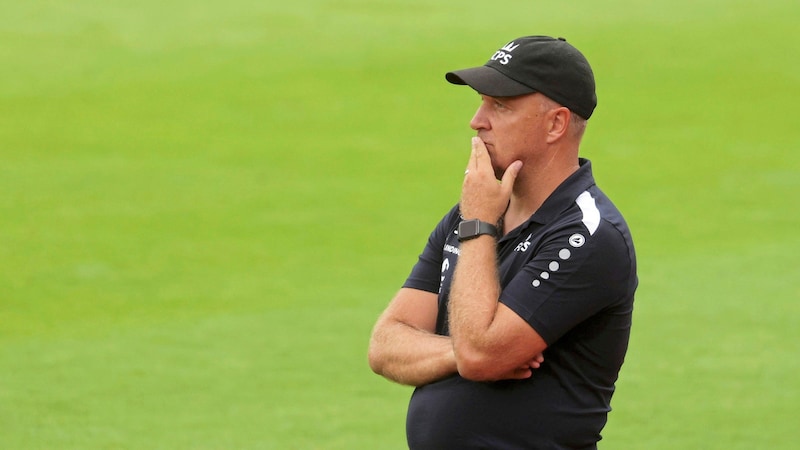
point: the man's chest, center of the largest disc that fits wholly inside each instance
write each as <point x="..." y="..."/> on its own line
<point x="514" y="251"/>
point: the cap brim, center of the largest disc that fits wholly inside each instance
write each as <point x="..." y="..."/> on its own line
<point x="488" y="81"/>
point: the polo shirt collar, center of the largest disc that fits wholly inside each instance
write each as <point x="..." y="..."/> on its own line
<point x="565" y="194"/>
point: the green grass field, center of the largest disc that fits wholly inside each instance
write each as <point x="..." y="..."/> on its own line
<point x="205" y="205"/>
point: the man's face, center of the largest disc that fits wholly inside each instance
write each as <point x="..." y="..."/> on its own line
<point x="511" y="127"/>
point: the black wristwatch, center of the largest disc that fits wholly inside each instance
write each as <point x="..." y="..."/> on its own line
<point x="470" y="229"/>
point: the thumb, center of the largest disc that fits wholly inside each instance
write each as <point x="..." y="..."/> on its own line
<point x="510" y="175"/>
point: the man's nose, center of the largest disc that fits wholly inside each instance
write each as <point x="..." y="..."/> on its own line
<point x="479" y="121"/>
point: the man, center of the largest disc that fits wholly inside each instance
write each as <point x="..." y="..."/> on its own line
<point x="514" y="323"/>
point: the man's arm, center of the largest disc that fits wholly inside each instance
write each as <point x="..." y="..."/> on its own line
<point x="490" y="340"/>
<point x="404" y="347"/>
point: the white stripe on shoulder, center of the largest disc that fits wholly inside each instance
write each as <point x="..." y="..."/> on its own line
<point x="591" y="215"/>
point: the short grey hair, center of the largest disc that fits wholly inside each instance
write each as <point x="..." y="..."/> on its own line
<point x="577" y="124"/>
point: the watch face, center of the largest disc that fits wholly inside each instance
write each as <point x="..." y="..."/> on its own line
<point x="474" y="227"/>
<point x="468" y="229"/>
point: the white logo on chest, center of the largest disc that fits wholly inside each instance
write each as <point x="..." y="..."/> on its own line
<point x="523" y="246"/>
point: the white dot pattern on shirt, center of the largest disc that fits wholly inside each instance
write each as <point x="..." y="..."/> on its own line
<point x="564" y="254"/>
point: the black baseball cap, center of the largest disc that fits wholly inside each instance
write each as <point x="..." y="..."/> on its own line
<point x="530" y="64"/>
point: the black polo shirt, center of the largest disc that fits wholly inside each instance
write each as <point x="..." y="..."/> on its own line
<point x="570" y="272"/>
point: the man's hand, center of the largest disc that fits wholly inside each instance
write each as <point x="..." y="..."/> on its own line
<point x="522" y="372"/>
<point x="482" y="197"/>
<point x="526" y="370"/>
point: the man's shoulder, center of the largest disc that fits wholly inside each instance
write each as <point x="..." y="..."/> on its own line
<point x="592" y="218"/>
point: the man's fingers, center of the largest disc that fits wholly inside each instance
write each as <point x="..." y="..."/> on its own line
<point x="534" y="363"/>
<point x="478" y="152"/>
<point x="476" y="143"/>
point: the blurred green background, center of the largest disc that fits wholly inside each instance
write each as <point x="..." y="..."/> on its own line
<point x="205" y="205"/>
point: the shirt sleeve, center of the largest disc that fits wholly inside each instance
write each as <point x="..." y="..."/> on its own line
<point x="426" y="273"/>
<point x="571" y="276"/>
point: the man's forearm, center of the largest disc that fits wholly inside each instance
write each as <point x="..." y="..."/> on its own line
<point x="410" y="356"/>
<point x="486" y="336"/>
<point x="474" y="295"/>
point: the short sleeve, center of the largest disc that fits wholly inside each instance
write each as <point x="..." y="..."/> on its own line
<point x="426" y="273"/>
<point x="571" y="276"/>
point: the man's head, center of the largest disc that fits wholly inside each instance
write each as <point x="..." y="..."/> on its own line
<point x="530" y="64"/>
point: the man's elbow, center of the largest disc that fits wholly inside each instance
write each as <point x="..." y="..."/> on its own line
<point x="375" y="358"/>
<point x="477" y="366"/>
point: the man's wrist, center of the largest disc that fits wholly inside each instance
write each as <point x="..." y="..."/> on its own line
<point x="473" y="228"/>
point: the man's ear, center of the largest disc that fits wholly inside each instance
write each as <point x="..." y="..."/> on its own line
<point x="559" y="119"/>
